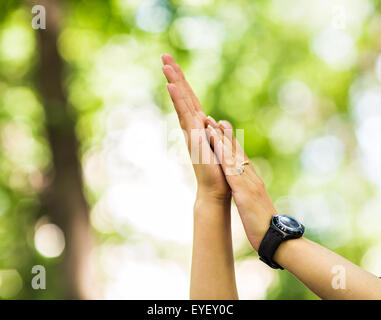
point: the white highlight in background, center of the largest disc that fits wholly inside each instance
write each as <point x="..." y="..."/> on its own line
<point x="49" y="240"/>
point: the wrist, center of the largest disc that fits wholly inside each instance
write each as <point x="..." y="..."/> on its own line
<point x="214" y="197"/>
<point x="259" y="233"/>
<point x="207" y="207"/>
<point x="204" y="204"/>
<point x="258" y="224"/>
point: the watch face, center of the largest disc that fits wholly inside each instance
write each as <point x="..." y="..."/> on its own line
<point x="288" y="224"/>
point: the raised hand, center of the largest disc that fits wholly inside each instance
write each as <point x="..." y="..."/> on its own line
<point x="210" y="178"/>
<point x="249" y="193"/>
<point x="212" y="274"/>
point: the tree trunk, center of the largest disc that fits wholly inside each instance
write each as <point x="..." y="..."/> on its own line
<point x="63" y="200"/>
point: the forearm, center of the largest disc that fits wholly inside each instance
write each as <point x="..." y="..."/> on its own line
<point x="212" y="275"/>
<point x="317" y="267"/>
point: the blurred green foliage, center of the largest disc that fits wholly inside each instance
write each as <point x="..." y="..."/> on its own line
<point x="237" y="56"/>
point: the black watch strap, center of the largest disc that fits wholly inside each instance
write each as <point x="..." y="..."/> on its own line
<point x="268" y="246"/>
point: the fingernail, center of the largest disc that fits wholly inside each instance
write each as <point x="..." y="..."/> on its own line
<point x="225" y="124"/>
<point x="163" y="68"/>
<point x="170" y="87"/>
<point x="163" y="56"/>
<point x="221" y="125"/>
<point x="211" y="128"/>
<point x="212" y="121"/>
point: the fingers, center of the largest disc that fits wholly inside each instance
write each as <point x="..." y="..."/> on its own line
<point x="226" y="147"/>
<point x="170" y="69"/>
<point x="210" y="134"/>
<point x="168" y="60"/>
<point x="191" y="120"/>
<point x="224" y="124"/>
<point x="184" y="112"/>
<point x="174" y="78"/>
<point x="210" y="121"/>
<point x="180" y="106"/>
<point x="222" y="147"/>
<point x="227" y="129"/>
<point x="229" y="133"/>
<point x="184" y="86"/>
<point x="170" y="74"/>
<point x="210" y="124"/>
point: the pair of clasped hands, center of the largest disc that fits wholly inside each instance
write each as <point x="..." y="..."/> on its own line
<point x="219" y="180"/>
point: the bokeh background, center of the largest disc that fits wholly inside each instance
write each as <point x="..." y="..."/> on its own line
<point x="95" y="184"/>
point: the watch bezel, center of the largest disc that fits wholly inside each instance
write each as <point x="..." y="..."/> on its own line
<point x="287" y="231"/>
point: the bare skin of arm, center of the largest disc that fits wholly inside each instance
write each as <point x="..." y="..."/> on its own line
<point x="311" y="263"/>
<point x="212" y="274"/>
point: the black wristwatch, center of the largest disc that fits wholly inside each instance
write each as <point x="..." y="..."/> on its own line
<point x="282" y="228"/>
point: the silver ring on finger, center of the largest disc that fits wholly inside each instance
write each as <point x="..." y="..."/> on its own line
<point x="241" y="168"/>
